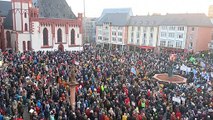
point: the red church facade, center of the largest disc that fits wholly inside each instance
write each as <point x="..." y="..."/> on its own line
<point x="39" y="27"/>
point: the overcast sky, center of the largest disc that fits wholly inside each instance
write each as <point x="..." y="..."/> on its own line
<point x="142" y="7"/>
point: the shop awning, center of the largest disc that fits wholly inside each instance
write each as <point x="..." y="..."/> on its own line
<point x="146" y="47"/>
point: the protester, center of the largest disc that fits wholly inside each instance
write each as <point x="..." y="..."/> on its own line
<point x="113" y="85"/>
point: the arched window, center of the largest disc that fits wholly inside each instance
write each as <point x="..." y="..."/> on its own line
<point x="25" y="27"/>
<point x="8" y="37"/>
<point x="24" y="46"/>
<point x="25" y="15"/>
<point x="45" y="36"/>
<point x="29" y="45"/>
<point x="59" y="34"/>
<point x="72" y="36"/>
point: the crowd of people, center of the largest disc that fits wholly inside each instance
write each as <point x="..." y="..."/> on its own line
<point x="34" y="86"/>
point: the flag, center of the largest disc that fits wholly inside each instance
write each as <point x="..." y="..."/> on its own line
<point x="192" y="59"/>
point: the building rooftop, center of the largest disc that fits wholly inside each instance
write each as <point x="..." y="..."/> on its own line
<point x="118" y="10"/>
<point x="54" y="9"/>
<point x="154" y="20"/>
<point x="115" y="16"/>
<point x="5" y="6"/>
<point x="6" y="11"/>
<point x="116" y="19"/>
<point x="192" y="19"/>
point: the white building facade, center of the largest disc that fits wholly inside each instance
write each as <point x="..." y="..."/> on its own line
<point x="143" y="31"/>
<point x="172" y="36"/>
<point x="112" y="28"/>
<point x="111" y="36"/>
<point x="142" y="36"/>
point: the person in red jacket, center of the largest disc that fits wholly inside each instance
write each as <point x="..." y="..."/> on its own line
<point x="178" y="115"/>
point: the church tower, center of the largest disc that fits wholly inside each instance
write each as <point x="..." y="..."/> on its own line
<point x="20" y="13"/>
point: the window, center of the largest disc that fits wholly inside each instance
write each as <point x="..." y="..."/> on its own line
<point x="99" y="38"/>
<point x="132" y="34"/>
<point x="99" y="32"/>
<point x="190" y="45"/>
<point x="172" y="28"/>
<point x="139" y="28"/>
<point x="171" y="35"/>
<point x="144" y="35"/>
<point x="45" y="36"/>
<point x="77" y="35"/>
<point x="25" y="27"/>
<point x="170" y="43"/>
<point x="151" y="29"/>
<point x="59" y="35"/>
<point x="144" y="41"/>
<point x="193" y="29"/>
<point x="72" y="36"/>
<point x="180" y="36"/>
<point x="106" y="27"/>
<point x="114" y="33"/>
<point x="120" y="34"/>
<point x="25" y="15"/>
<point x="106" y="33"/>
<point x="138" y="35"/>
<point x="132" y="28"/>
<point x="119" y="39"/>
<point x="106" y="39"/>
<point x="178" y="44"/>
<point x="163" y="34"/>
<point x="119" y="28"/>
<point x="114" y="39"/>
<point x="24" y="46"/>
<point x="8" y="37"/>
<point x="162" y="43"/>
<point x="163" y="27"/>
<point x="138" y="41"/>
<point x="151" y="35"/>
<point x="29" y="45"/>
<point x="144" y="29"/>
<point x="131" y="40"/>
<point x="180" y="28"/>
<point x="150" y="42"/>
